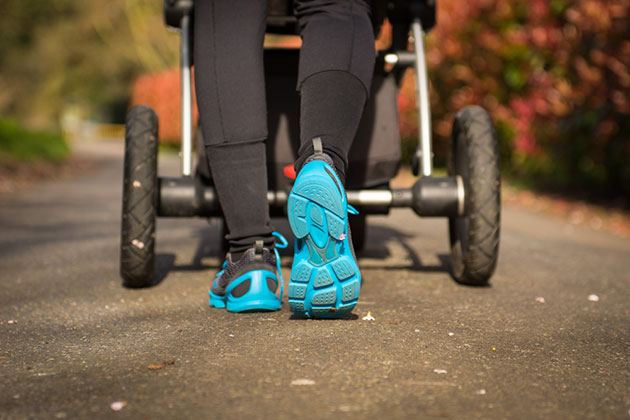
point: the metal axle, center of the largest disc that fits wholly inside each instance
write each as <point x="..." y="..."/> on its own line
<point x="428" y="197"/>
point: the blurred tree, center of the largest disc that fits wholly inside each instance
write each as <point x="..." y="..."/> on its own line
<point x="81" y="54"/>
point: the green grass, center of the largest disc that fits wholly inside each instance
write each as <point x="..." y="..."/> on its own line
<point x="169" y="147"/>
<point x="19" y="144"/>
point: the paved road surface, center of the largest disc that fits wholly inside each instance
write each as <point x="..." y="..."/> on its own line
<point x="72" y="341"/>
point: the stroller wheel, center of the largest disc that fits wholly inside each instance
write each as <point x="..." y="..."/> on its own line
<point x="137" y="238"/>
<point x="474" y="237"/>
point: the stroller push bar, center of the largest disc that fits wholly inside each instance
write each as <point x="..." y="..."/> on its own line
<point x="428" y="197"/>
<point x="423" y="153"/>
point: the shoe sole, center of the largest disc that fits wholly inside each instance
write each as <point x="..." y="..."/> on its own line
<point x="325" y="278"/>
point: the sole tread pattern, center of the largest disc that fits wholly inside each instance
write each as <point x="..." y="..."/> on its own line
<point x="325" y="279"/>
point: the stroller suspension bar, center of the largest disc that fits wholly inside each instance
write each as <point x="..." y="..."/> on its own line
<point x="428" y="197"/>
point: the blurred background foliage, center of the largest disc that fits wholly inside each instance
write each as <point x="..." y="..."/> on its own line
<point x="553" y="73"/>
<point x="67" y="53"/>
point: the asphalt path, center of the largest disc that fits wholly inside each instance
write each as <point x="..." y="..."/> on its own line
<point x="549" y="339"/>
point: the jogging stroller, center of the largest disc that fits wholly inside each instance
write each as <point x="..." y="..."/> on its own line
<point x="469" y="196"/>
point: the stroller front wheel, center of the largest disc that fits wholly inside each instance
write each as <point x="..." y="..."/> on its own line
<point x="137" y="237"/>
<point x="474" y="237"/>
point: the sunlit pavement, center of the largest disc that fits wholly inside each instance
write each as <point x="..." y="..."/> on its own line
<point x="549" y="339"/>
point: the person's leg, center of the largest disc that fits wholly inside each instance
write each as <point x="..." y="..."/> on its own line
<point x="230" y="88"/>
<point x="335" y="75"/>
<point x="336" y="65"/>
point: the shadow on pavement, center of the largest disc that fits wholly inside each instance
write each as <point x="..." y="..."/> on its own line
<point x="378" y="239"/>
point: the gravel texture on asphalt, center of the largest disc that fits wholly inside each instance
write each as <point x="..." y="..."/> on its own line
<point x="75" y="344"/>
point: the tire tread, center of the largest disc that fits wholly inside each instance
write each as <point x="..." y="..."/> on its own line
<point x="139" y="207"/>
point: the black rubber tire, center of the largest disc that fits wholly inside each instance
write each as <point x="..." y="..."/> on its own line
<point x="358" y="226"/>
<point x="139" y="209"/>
<point x="475" y="236"/>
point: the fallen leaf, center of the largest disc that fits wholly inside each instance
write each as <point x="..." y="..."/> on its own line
<point x="161" y="365"/>
<point x="118" y="405"/>
<point x="368" y="317"/>
<point x="301" y="382"/>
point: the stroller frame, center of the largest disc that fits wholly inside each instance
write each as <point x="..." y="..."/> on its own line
<point x="469" y="196"/>
<point x="429" y="197"/>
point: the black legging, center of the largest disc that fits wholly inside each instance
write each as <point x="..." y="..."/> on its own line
<point x="335" y="73"/>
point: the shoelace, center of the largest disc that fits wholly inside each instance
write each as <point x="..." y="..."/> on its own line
<point x="279" y="245"/>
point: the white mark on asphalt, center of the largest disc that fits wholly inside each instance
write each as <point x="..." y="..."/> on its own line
<point x="540" y="299"/>
<point x="440" y="371"/>
<point x="231" y="335"/>
<point x="450" y="334"/>
<point x="593" y="298"/>
<point x="368" y="317"/>
<point x="12" y="321"/>
<point x="302" y="382"/>
<point x="138" y="244"/>
<point x="416" y="330"/>
<point x="480" y="392"/>
<point x="118" y="405"/>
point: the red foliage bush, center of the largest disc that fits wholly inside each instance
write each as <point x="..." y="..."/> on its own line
<point x="554" y="75"/>
<point x="161" y="91"/>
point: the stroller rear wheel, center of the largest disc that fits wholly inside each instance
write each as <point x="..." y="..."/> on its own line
<point x="474" y="237"/>
<point x="137" y="244"/>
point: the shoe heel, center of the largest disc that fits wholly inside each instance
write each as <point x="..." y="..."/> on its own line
<point x="257" y="297"/>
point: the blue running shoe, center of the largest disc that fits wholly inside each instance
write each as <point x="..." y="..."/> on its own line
<point x="250" y="284"/>
<point x="325" y="277"/>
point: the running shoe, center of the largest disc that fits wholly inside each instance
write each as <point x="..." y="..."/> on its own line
<point x="251" y="283"/>
<point x="325" y="277"/>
